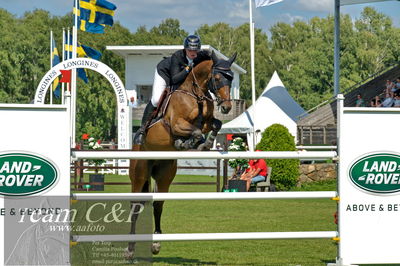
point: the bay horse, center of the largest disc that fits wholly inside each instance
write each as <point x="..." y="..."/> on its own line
<point x="188" y="115"/>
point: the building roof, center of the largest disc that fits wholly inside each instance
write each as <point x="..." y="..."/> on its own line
<point x="163" y="50"/>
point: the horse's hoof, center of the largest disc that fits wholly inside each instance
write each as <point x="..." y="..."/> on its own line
<point x="128" y="254"/>
<point x="155" y="248"/>
<point x="178" y="144"/>
<point x="202" y="147"/>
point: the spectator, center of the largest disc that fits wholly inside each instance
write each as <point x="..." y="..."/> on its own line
<point x="256" y="172"/>
<point x="372" y="103"/>
<point x="389" y="99"/>
<point x="378" y="102"/>
<point x="360" y="102"/>
<point x="397" y="85"/>
<point x="396" y="100"/>
<point x="113" y="145"/>
<point x="390" y="86"/>
<point x="132" y="102"/>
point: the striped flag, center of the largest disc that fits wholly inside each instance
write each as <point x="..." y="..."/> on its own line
<point x="55" y="59"/>
<point x="81" y="51"/>
<point x="93" y="15"/>
<point x="260" y="3"/>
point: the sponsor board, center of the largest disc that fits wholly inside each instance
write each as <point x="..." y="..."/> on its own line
<point x="377" y="172"/>
<point x="24" y="173"/>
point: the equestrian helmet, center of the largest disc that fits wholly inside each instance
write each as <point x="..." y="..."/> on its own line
<point x="192" y="42"/>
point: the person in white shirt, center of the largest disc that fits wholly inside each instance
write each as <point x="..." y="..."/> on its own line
<point x="132" y="102"/>
<point x="389" y="99"/>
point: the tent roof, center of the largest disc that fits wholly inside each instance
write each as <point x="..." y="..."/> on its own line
<point x="275" y="105"/>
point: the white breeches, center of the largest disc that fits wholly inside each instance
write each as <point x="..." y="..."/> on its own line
<point x="159" y="85"/>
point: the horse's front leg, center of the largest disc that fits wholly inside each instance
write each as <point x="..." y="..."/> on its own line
<point x="164" y="174"/>
<point x="214" y="125"/>
<point x="139" y="174"/>
<point x="185" y="129"/>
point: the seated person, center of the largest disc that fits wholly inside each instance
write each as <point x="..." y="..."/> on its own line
<point x="390" y="86"/>
<point x="360" y="101"/>
<point x="389" y="99"/>
<point x="372" y="103"/>
<point x="378" y="102"/>
<point x="256" y="172"/>
<point x="397" y="84"/>
<point x="396" y="100"/>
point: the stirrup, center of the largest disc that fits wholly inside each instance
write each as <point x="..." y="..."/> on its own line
<point x="140" y="136"/>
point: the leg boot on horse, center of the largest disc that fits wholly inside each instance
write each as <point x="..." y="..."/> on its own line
<point x="141" y="133"/>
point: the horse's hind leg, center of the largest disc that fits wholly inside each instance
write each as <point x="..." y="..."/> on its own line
<point x="164" y="174"/>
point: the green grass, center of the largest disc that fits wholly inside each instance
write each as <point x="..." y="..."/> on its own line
<point x="242" y="216"/>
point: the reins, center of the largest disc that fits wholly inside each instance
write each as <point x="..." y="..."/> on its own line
<point x="213" y="89"/>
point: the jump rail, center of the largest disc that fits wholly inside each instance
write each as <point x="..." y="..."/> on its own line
<point x="205" y="196"/>
<point x="206" y="236"/>
<point x="309" y="147"/>
<point x="167" y="155"/>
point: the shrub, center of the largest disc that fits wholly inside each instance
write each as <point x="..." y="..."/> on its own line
<point x="285" y="172"/>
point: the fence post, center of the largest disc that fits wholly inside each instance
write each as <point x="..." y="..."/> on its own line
<point x="218" y="175"/>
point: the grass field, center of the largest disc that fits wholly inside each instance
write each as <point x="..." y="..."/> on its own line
<point x="238" y="216"/>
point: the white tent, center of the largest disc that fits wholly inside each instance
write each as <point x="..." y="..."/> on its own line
<point x="275" y="105"/>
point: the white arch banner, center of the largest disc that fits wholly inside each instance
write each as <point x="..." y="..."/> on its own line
<point x="124" y="111"/>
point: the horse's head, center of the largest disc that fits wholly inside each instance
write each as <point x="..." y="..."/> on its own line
<point x="221" y="81"/>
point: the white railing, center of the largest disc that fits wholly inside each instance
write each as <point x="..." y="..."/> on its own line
<point x="309" y="147"/>
<point x="168" y="155"/>
<point x="205" y="196"/>
<point x="206" y="236"/>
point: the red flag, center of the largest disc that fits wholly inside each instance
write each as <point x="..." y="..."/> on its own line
<point x="229" y="136"/>
<point x="65" y="76"/>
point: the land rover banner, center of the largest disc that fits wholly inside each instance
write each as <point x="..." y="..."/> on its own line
<point x="369" y="186"/>
<point x="34" y="184"/>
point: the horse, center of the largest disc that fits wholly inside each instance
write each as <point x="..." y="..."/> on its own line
<point x="187" y="116"/>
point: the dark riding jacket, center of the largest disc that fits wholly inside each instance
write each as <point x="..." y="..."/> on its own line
<point x="173" y="69"/>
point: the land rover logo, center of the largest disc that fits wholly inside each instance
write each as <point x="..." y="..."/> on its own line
<point x="377" y="173"/>
<point x="24" y="174"/>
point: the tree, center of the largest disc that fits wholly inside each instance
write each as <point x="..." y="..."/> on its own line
<point x="301" y="52"/>
<point x="285" y="171"/>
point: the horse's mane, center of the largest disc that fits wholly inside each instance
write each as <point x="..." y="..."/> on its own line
<point x="202" y="73"/>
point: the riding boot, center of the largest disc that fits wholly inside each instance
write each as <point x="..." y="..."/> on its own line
<point x="141" y="133"/>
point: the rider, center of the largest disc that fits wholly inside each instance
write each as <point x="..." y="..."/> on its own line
<point x="172" y="71"/>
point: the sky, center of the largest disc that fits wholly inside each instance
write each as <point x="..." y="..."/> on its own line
<point x="194" y="13"/>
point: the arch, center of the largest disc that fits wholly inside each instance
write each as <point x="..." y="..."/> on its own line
<point x="124" y="111"/>
<point x="87" y="63"/>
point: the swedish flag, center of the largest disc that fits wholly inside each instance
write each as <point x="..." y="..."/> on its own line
<point x="81" y="51"/>
<point x="93" y="15"/>
<point x="55" y="59"/>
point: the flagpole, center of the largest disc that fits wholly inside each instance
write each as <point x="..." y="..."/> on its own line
<point x="336" y="51"/>
<point x="253" y="83"/>
<point x="51" y="64"/>
<point x="73" y="80"/>
<point x="67" y="99"/>
<point x="63" y="58"/>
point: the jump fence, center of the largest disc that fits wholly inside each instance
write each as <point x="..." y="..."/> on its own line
<point x="205" y="196"/>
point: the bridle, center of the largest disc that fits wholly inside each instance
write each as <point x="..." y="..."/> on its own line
<point x="213" y="85"/>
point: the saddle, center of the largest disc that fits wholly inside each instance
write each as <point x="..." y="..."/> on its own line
<point x="159" y="113"/>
